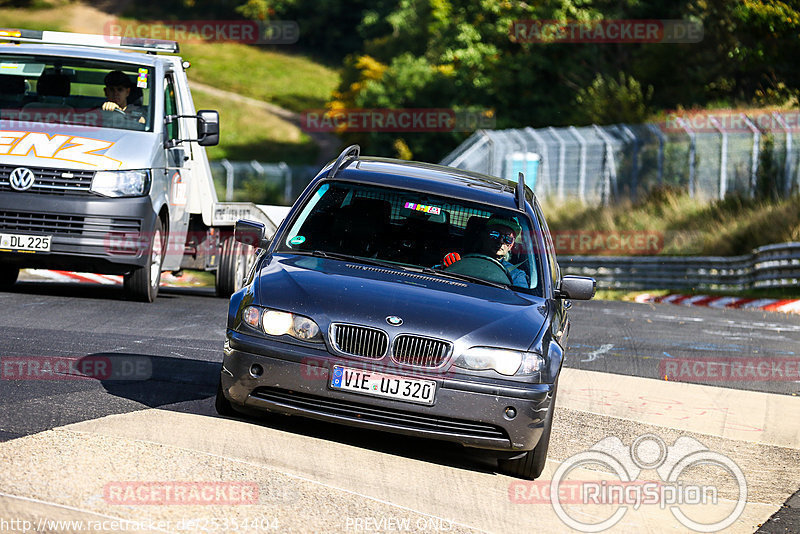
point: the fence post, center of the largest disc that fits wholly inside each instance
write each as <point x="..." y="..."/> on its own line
<point x="635" y="160"/>
<point x="723" y="158"/>
<point x="581" y="164"/>
<point x="692" y="155"/>
<point x="609" y="165"/>
<point x="562" y="160"/>
<point x="754" y="155"/>
<point x="489" y="139"/>
<point x="544" y="164"/>
<point x="661" y="141"/>
<point x="228" y="179"/>
<point x="286" y="172"/>
<point x="787" y="162"/>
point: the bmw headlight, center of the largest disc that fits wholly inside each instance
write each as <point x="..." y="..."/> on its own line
<point x="504" y="361"/>
<point x="279" y="323"/>
<point x="121" y="183"/>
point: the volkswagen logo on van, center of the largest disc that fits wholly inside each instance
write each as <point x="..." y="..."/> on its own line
<point x="21" y="179"/>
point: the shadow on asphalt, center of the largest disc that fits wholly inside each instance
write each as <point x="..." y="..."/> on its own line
<point x="189" y="386"/>
<point x="98" y="291"/>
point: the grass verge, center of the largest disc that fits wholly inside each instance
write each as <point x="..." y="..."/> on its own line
<point x="248" y="133"/>
<point x="732" y="226"/>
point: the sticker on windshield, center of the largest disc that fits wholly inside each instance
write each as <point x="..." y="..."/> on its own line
<point x="141" y="80"/>
<point x="433" y="210"/>
<point x="297" y="240"/>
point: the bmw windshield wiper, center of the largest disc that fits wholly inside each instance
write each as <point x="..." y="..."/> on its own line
<point x="465" y="277"/>
<point x="348" y="257"/>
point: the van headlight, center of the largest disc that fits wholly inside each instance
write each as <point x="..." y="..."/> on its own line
<point x="504" y="361"/>
<point x="121" y="183"/>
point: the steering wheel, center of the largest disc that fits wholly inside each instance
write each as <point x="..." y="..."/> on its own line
<point x="481" y="266"/>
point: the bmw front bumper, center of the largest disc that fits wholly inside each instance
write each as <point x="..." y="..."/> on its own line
<point x="295" y="381"/>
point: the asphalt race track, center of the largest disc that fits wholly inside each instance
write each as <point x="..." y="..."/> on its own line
<point x="121" y="451"/>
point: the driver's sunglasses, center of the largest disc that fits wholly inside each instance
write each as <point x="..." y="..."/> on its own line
<point x="495" y="235"/>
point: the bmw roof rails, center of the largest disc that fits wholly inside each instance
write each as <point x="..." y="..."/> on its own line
<point x="355" y="150"/>
<point x="521" y="192"/>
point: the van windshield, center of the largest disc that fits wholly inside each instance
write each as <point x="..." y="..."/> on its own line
<point x="418" y="230"/>
<point x="74" y="91"/>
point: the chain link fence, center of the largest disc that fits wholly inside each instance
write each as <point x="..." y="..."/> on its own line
<point x="259" y="182"/>
<point x="710" y="155"/>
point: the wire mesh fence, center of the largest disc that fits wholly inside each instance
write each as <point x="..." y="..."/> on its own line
<point x="709" y="154"/>
<point x="259" y="182"/>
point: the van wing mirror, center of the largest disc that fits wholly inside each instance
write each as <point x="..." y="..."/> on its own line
<point x="250" y="233"/>
<point x="207" y="127"/>
<point x="576" y="287"/>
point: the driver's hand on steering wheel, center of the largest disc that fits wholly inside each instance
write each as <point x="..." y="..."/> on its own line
<point x="111" y="106"/>
<point x="451" y="258"/>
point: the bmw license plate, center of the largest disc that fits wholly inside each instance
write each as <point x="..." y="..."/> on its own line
<point x="25" y="243"/>
<point x="383" y="385"/>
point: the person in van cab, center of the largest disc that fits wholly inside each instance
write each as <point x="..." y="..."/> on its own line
<point x="118" y="92"/>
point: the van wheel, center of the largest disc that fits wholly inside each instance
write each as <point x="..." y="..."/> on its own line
<point x="531" y="465"/>
<point x="142" y="283"/>
<point x="232" y="268"/>
<point x="8" y="276"/>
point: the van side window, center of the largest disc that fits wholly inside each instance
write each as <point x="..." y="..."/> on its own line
<point x="171" y="108"/>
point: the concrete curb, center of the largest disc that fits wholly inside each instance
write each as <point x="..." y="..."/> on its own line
<point x="776" y="305"/>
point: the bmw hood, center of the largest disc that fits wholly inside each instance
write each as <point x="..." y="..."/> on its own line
<point x="335" y="291"/>
<point x="67" y="146"/>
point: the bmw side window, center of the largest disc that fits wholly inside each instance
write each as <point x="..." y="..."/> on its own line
<point x="550" y="251"/>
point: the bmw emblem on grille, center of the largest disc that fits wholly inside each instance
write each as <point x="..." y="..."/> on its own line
<point x="21" y="179"/>
<point x="394" y="320"/>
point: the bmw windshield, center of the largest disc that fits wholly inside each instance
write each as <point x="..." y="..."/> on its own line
<point x="417" y="230"/>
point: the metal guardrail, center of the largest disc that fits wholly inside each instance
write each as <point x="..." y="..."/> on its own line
<point x="771" y="266"/>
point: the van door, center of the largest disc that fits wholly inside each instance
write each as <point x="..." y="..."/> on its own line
<point x="178" y="164"/>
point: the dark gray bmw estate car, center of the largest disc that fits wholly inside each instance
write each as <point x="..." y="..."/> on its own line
<point x="406" y="297"/>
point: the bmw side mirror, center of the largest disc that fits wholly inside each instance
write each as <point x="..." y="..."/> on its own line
<point x="207" y="127"/>
<point x="576" y="288"/>
<point x="250" y="233"/>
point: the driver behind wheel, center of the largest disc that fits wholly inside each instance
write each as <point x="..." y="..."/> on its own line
<point x="118" y="90"/>
<point x="496" y="242"/>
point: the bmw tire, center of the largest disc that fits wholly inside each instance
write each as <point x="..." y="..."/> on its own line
<point x="531" y="465"/>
